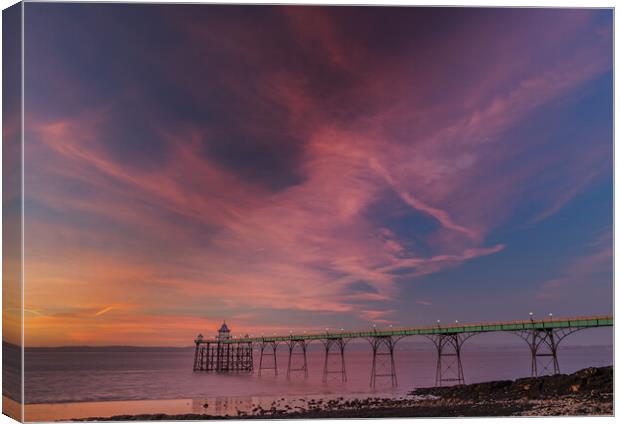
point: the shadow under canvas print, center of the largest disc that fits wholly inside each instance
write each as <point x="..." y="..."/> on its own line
<point x="288" y="211"/>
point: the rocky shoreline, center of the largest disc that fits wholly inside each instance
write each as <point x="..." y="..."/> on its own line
<point x="586" y="392"/>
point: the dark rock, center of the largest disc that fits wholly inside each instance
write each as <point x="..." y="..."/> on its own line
<point x="593" y="380"/>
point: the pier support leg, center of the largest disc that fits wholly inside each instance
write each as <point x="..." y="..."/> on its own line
<point x="204" y="358"/>
<point x="268" y="349"/>
<point x="449" y="364"/>
<point x="201" y="357"/>
<point x="249" y="357"/>
<point x="543" y="344"/>
<point x="301" y="352"/>
<point x="334" y="348"/>
<point x="224" y="357"/>
<point x="219" y="358"/>
<point x="196" y="352"/>
<point x="383" y="364"/>
<point x="210" y="357"/>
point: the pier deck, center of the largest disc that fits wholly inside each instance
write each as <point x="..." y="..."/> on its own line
<point x="543" y="336"/>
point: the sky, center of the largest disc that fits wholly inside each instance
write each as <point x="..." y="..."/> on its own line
<point x="302" y="168"/>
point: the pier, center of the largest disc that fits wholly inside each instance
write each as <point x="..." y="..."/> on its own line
<point x="224" y="353"/>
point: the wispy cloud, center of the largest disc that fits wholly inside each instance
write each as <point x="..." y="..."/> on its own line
<point x="295" y="168"/>
<point x="584" y="271"/>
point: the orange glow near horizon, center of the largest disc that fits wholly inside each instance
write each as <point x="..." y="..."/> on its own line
<point x="304" y="167"/>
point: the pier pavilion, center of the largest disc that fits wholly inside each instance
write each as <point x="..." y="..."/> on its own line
<point x="221" y="354"/>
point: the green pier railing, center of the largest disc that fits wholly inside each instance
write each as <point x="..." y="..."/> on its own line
<point x="531" y="324"/>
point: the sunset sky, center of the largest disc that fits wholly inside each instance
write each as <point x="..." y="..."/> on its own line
<point x="296" y="168"/>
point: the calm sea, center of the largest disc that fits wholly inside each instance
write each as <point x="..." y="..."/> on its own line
<point x="112" y="374"/>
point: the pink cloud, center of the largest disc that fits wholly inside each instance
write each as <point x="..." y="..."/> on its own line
<point x="217" y="235"/>
<point x="567" y="197"/>
<point x="378" y="316"/>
